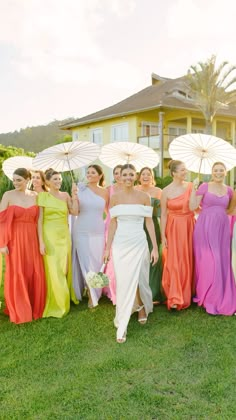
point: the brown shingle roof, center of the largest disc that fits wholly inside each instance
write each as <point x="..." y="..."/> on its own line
<point x="163" y="94"/>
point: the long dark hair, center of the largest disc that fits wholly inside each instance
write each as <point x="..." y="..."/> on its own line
<point x="116" y="167"/>
<point x="99" y="170"/>
<point x="49" y="173"/>
<point x="22" y="172"/>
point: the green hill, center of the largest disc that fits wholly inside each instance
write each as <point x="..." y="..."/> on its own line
<point x="35" y="139"/>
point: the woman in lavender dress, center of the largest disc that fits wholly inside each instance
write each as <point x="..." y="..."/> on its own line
<point x="215" y="286"/>
<point x="88" y="234"/>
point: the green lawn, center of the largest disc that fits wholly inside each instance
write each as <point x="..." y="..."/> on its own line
<point x="178" y="366"/>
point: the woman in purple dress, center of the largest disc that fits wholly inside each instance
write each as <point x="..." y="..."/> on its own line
<point x="215" y="285"/>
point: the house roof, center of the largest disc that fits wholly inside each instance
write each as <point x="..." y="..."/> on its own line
<point x="163" y="93"/>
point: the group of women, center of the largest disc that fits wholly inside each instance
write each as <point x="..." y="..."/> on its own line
<point x="183" y="257"/>
<point x="196" y="237"/>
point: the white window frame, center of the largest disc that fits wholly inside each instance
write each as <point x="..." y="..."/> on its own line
<point x="180" y="131"/>
<point x="196" y="130"/>
<point x="153" y="128"/>
<point x="75" y="135"/>
<point x="96" y="132"/>
<point x="118" y="132"/>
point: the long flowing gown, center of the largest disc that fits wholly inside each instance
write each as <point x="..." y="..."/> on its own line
<point x="215" y="285"/>
<point x="178" y="274"/>
<point x="131" y="262"/>
<point x="155" y="272"/>
<point x="88" y="238"/>
<point x="24" y="285"/>
<point x="233" y="247"/>
<point x="0" y="269"/>
<point x="57" y="261"/>
<point x="109" y="270"/>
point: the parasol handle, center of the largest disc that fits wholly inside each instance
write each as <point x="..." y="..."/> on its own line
<point x="71" y="173"/>
<point x="202" y="156"/>
<point x="200" y="167"/>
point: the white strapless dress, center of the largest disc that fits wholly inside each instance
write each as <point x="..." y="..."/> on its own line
<point x="131" y="262"/>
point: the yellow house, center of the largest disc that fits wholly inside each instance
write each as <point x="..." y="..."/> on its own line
<point x="153" y="117"/>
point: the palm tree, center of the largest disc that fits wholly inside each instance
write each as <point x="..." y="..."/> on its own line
<point x="210" y="87"/>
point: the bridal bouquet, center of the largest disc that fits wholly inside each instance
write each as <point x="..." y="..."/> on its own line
<point x="97" y="280"/>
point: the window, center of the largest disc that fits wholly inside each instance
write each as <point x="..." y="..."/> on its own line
<point x="150" y="141"/>
<point x="197" y="130"/>
<point x="150" y="128"/>
<point x="96" y="136"/>
<point x="176" y="132"/>
<point x="120" y="132"/>
<point x="75" y="135"/>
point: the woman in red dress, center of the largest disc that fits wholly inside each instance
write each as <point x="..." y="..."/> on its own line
<point x="24" y="285"/>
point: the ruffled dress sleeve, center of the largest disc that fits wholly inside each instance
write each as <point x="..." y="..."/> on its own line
<point x="202" y="189"/>
<point x="6" y="218"/>
<point x="131" y="210"/>
<point x="42" y="199"/>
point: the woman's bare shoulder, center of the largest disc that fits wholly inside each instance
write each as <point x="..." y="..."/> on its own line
<point x="64" y="194"/>
<point x="116" y="196"/>
<point x="167" y="189"/>
<point x="9" y="193"/>
<point x="156" y="192"/>
<point x="142" y="194"/>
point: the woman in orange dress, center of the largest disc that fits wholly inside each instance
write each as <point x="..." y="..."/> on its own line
<point x="24" y="286"/>
<point x="177" y="223"/>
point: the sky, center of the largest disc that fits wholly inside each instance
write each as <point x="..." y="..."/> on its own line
<point x="70" y="58"/>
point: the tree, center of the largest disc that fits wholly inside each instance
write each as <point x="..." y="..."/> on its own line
<point x="66" y="139"/>
<point x="11" y="151"/>
<point x="210" y="87"/>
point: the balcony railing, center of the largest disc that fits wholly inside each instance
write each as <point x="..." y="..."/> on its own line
<point x="150" y="141"/>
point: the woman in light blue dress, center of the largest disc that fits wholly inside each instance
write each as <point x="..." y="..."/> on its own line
<point x="88" y="234"/>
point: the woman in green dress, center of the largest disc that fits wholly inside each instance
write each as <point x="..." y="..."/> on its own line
<point x="55" y="244"/>
<point x="147" y="184"/>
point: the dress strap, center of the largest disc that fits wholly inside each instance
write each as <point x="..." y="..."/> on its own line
<point x="186" y="198"/>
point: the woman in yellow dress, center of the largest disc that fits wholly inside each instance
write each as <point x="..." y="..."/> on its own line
<point x="55" y="244"/>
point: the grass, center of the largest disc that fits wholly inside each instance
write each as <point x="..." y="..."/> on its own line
<point x="178" y="366"/>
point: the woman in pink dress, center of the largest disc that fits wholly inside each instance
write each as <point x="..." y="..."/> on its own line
<point x="215" y="285"/>
<point x="112" y="189"/>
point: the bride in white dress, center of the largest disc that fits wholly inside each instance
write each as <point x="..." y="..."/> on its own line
<point x="130" y="252"/>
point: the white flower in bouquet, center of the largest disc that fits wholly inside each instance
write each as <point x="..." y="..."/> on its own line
<point x="96" y="280"/>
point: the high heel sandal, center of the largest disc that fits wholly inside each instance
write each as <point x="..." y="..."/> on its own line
<point x="143" y="319"/>
<point x="121" y="340"/>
